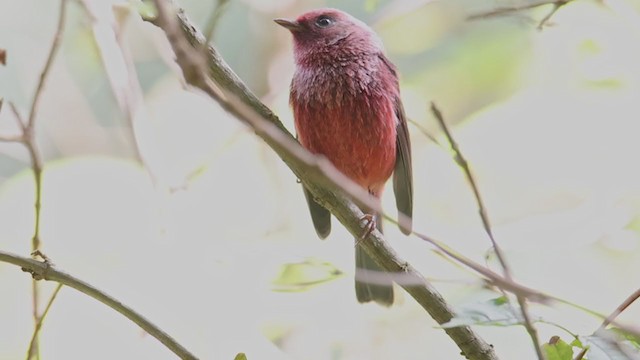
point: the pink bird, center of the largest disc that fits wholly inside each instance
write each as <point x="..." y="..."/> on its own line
<point x="346" y="104"/>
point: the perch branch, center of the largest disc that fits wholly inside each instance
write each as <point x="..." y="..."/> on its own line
<point x="482" y="212"/>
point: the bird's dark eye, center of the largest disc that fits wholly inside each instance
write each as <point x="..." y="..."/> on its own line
<point x="323" y="21"/>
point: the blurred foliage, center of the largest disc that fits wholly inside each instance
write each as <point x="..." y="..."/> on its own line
<point x="301" y="276"/>
<point x="209" y="235"/>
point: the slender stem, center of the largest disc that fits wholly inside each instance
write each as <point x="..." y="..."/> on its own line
<point x="43" y="270"/>
<point x="36" y="331"/>
<point x="505" y="10"/>
<point x="29" y="140"/>
<point x="622" y="307"/>
<point x="482" y="211"/>
<point x="55" y="45"/>
<point x="214" y="19"/>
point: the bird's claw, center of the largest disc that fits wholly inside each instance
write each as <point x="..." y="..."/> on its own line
<point x="369" y="226"/>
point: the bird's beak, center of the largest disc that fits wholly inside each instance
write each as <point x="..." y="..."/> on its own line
<point x="291" y="25"/>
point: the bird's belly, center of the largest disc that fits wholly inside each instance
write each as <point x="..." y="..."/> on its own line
<point x="359" y="142"/>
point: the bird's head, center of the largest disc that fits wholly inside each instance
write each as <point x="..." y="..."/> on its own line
<point x="322" y="28"/>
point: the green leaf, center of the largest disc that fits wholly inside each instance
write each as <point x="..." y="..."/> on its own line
<point x="557" y="349"/>
<point x="240" y="356"/>
<point x="300" y="276"/>
<point x="577" y="343"/>
<point x="500" y="300"/>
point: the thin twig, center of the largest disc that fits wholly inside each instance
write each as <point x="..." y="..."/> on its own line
<point x="18" y="118"/>
<point x="622" y="307"/>
<point x="11" y="138"/>
<point x="36" y="330"/>
<point x="554" y="9"/>
<point x="233" y="96"/>
<point x="42" y="270"/>
<point x="506" y="10"/>
<point x="19" y="138"/>
<point x="214" y="19"/>
<point x="464" y="165"/>
<point x="27" y="138"/>
<point x="581" y="354"/>
<point x="424" y="132"/>
<point x="55" y="45"/>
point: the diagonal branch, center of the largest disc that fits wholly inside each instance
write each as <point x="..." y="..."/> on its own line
<point x="464" y="165"/>
<point x="482" y="211"/>
<point x="215" y="78"/>
<point x="36" y="331"/>
<point x="622" y="307"/>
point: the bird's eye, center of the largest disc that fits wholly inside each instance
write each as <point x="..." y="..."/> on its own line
<point x="323" y="21"/>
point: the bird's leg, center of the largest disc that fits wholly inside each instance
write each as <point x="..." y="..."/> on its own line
<point x="369" y="225"/>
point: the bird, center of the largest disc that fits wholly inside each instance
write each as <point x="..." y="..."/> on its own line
<point x="345" y="98"/>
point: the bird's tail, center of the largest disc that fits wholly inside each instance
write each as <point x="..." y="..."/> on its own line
<point x="372" y="282"/>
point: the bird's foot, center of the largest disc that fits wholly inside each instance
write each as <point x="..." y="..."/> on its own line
<point x="369" y="225"/>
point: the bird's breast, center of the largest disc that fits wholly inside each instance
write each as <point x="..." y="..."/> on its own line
<point x="348" y="115"/>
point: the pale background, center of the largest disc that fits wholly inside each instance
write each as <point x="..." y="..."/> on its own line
<point x="548" y="120"/>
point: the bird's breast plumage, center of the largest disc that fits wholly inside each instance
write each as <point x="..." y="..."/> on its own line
<point x="345" y="110"/>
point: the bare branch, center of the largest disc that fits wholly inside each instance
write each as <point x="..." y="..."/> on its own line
<point x="424" y="132"/>
<point x="464" y="165"/>
<point x="11" y="138"/>
<point x="507" y="10"/>
<point x="625" y="304"/>
<point x="55" y="45"/>
<point x="18" y="118"/>
<point x="42" y="270"/>
<point x="556" y="6"/>
<point x="27" y="138"/>
<point x="36" y="330"/>
<point x="214" y="19"/>
<point x="622" y="307"/>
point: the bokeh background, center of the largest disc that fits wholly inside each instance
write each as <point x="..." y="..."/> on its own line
<point x="211" y="238"/>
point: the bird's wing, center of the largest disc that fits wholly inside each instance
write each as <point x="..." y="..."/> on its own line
<point x="403" y="173"/>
